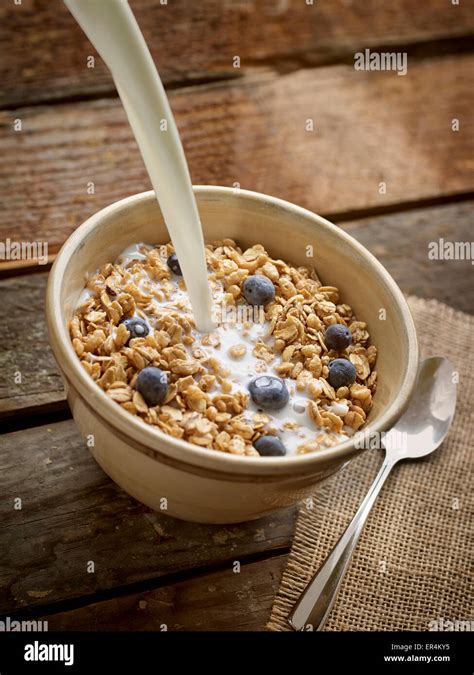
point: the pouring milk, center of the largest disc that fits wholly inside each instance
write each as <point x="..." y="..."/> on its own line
<point x="114" y="32"/>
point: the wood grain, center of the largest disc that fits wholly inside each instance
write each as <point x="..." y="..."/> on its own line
<point x="30" y="380"/>
<point x="72" y="514"/>
<point x="44" y="52"/>
<point x="369" y="128"/>
<point x="400" y="241"/>
<point x="222" y="600"/>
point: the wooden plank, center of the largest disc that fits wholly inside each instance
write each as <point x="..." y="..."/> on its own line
<point x="45" y="53"/>
<point x="369" y="128"/>
<point x="221" y="601"/>
<point x="400" y="241"/>
<point x="30" y="379"/>
<point x="72" y="513"/>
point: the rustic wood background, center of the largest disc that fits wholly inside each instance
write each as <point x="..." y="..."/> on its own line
<point x="239" y="125"/>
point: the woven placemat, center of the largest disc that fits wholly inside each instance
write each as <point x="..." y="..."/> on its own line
<point x="412" y="565"/>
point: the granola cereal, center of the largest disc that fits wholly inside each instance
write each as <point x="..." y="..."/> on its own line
<point x="268" y="370"/>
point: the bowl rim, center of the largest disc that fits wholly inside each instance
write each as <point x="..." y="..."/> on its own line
<point x="154" y="439"/>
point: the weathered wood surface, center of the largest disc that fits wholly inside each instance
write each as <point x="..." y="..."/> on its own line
<point x="199" y="40"/>
<point x="223" y="600"/>
<point x="369" y="128"/>
<point x="73" y="513"/>
<point x="29" y="380"/>
<point x="400" y="241"/>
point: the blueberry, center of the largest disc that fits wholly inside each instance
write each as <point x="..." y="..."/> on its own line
<point x="136" y="327"/>
<point x="258" y="290"/>
<point x="337" y="337"/>
<point x="341" y="373"/>
<point x="269" y="392"/>
<point x="269" y="446"/>
<point x="173" y="264"/>
<point x="152" y="384"/>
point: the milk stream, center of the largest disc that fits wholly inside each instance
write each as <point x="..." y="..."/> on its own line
<point x="114" y="32"/>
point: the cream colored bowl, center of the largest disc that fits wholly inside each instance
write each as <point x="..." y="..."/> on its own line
<point x="175" y="476"/>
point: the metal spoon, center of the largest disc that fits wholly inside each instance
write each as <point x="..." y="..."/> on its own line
<point x="422" y="429"/>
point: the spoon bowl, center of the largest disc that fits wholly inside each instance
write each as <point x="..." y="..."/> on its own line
<point x="427" y="419"/>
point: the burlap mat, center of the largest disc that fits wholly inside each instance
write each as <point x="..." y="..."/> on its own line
<point x="412" y="564"/>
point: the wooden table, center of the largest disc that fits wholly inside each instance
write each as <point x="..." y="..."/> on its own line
<point x="248" y="126"/>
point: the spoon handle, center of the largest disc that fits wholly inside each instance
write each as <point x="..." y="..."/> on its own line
<point x="315" y="603"/>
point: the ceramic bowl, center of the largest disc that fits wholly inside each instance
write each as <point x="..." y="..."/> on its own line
<point x="182" y="479"/>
